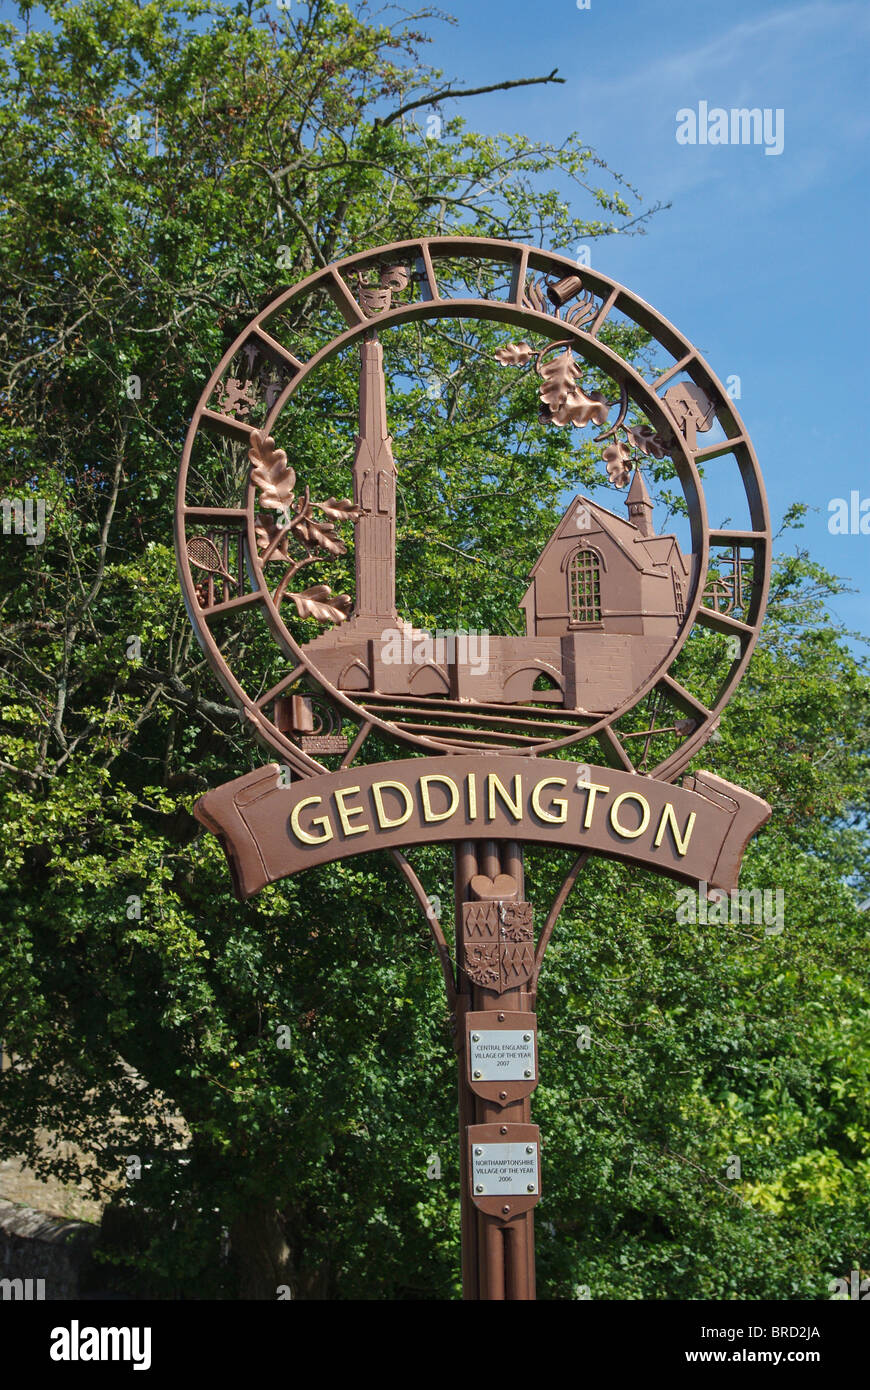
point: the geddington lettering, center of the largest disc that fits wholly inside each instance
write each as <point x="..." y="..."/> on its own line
<point x="477" y="799"/>
<point x="75" y="1343"/>
<point x="270" y="829"/>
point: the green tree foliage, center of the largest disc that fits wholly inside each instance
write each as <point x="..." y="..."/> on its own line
<point x="302" y="1037"/>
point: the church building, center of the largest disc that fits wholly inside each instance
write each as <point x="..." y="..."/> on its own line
<point x="604" y="606"/>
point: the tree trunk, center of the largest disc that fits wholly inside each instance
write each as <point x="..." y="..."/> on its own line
<point x="263" y="1255"/>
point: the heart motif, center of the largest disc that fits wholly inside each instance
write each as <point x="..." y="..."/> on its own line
<point x="503" y="886"/>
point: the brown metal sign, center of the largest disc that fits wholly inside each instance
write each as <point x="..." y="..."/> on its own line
<point x="612" y="608"/>
<point x="695" y="832"/>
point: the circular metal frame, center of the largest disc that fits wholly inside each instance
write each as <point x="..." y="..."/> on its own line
<point x="520" y="311"/>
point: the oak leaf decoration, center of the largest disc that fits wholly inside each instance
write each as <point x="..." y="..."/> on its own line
<point x="514" y="354"/>
<point x="645" y="438"/>
<point x="319" y="533"/>
<point x="339" y="508"/>
<point x="558" y="379"/>
<point x="617" y="459"/>
<point x="580" y="408"/>
<point x="268" y="530"/>
<point x="270" y="473"/>
<point x="321" y="603"/>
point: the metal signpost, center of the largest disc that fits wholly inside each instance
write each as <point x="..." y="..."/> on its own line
<point x="610" y="607"/>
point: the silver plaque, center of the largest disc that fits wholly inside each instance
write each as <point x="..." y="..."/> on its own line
<point x="502" y="1054"/>
<point x="502" y="1169"/>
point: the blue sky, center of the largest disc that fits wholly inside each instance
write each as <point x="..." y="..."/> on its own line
<point x="762" y="259"/>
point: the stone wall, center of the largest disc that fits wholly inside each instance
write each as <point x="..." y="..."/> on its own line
<point x="35" y="1246"/>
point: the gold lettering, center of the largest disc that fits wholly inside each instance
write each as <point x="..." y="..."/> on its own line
<point x="620" y="829"/>
<point x="494" y="784"/>
<point x="384" y="821"/>
<point x="669" y="818"/>
<point x="593" y="788"/>
<point x="555" y="801"/>
<point x="472" y="795"/>
<point x="323" y="821"/>
<point x="428" y="813"/>
<point x="345" y="812"/>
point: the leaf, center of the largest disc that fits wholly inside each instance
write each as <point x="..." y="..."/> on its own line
<point x="558" y="379"/>
<point x="321" y="603"/>
<point x="341" y="508"/>
<point x="319" y="533"/>
<point x="646" y="439"/>
<point x="579" y="409"/>
<point x="266" y="529"/>
<point x="617" y="457"/>
<point x="269" y="472"/>
<point x="514" y="355"/>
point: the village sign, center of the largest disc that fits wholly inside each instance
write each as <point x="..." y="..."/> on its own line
<point x="493" y="753"/>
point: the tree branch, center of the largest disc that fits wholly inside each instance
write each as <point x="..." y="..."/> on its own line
<point x="451" y="92"/>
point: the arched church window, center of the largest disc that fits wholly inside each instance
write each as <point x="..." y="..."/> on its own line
<point x="584" y="587"/>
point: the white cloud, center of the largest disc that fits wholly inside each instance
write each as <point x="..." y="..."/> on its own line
<point x="801" y="59"/>
<point x="774" y="39"/>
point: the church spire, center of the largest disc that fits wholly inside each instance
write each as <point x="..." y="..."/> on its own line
<point x="639" y="504"/>
<point x="374" y="479"/>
